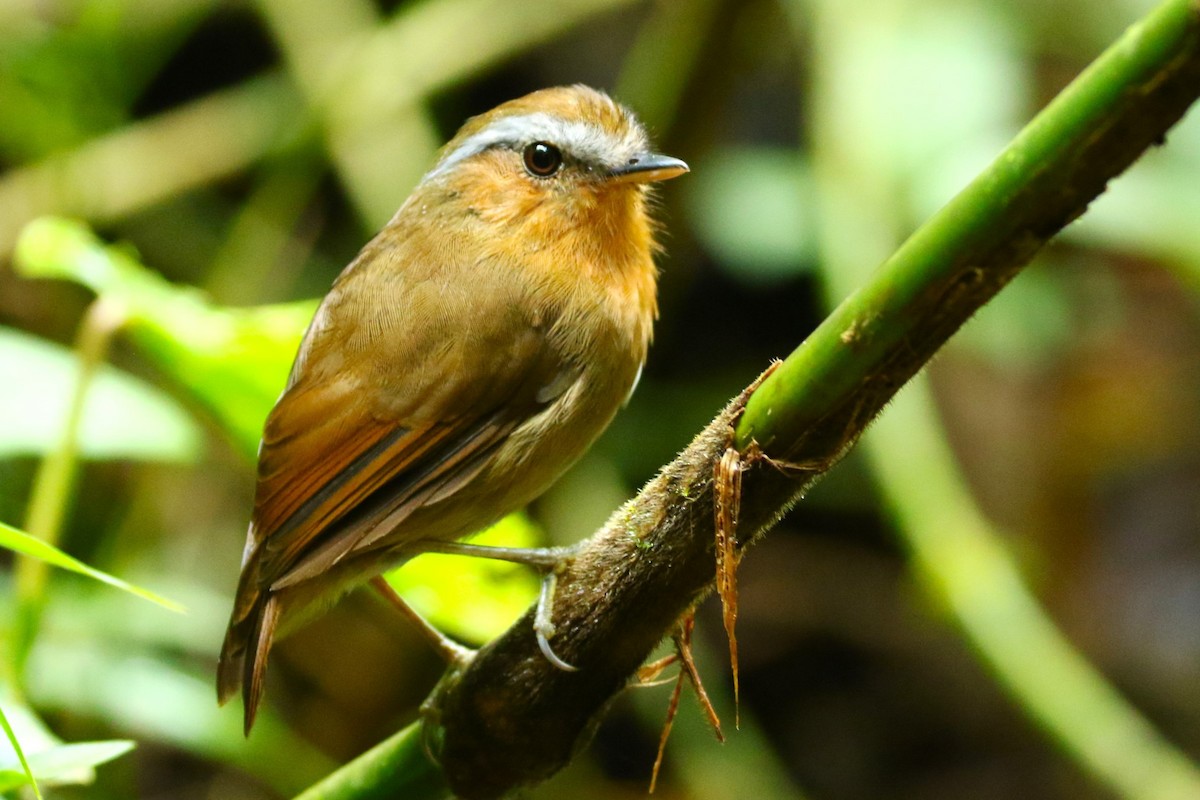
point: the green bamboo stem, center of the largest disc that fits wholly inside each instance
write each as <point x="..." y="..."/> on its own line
<point x="396" y="767"/>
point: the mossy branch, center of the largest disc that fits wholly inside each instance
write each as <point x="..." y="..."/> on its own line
<point x="510" y="718"/>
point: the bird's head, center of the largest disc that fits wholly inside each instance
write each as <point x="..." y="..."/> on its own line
<point x="557" y="159"/>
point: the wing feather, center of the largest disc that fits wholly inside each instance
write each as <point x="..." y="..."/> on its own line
<point x="398" y="491"/>
<point x="346" y="450"/>
<point x="403" y="390"/>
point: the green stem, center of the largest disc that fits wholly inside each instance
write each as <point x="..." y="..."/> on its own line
<point x="11" y="736"/>
<point x="396" y="767"/>
<point x="55" y="478"/>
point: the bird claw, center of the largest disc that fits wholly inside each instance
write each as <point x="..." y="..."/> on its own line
<point x="544" y="645"/>
<point x="543" y="625"/>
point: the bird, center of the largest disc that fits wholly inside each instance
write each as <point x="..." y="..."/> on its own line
<point x="469" y="354"/>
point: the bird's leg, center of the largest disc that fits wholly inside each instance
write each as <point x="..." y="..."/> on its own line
<point x="451" y="651"/>
<point x="547" y="560"/>
<point x="542" y="558"/>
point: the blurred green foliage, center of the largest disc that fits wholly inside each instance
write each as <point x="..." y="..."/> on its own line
<point x="232" y="362"/>
<point x="20" y="542"/>
<point x="247" y="149"/>
<point x="125" y="417"/>
<point x="754" y="211"/>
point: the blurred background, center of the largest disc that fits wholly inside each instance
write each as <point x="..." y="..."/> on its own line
<point x="997" y="595"/>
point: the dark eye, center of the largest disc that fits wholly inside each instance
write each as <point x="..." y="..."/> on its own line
<point x="542" y="159"/>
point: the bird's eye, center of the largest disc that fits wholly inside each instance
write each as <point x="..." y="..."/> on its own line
<point x="542" y="159"/>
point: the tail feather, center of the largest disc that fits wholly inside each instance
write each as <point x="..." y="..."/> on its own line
<point x="255" y="667"/>
<point x="243" y="662"/>
<point x="229" y="667"/>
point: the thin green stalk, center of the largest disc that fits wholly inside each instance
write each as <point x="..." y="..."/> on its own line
<point x="54" y="482"/>
<point x="13" y="742"/>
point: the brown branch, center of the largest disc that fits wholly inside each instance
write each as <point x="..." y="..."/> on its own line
<point x="512" y="718"/>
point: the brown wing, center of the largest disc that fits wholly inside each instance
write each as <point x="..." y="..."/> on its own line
<point x="404" y="386"/>
<point x="428" y="400"/>
<point x="395" y="474"/>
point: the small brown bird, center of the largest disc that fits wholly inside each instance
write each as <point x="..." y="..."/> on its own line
<point x="470" y="353"/>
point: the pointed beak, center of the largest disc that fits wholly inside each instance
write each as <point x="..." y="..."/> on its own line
<point x="648" y="167"/>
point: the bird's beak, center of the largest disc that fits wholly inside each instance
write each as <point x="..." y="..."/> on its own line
<point x="648" y="167"/>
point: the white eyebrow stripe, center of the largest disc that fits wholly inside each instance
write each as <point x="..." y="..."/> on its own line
<point x="582" y="140"/>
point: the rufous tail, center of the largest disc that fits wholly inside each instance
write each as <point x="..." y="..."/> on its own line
<point x="243" y="662"/>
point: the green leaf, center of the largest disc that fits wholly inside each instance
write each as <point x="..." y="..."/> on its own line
<point x="25" y="775"/>
<point x="124" y="417"/>
<point x="44" y="757"/>
<point x="233" y="362"/>
<point x="66" y="763"/>
<point x="23" y="543"/>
